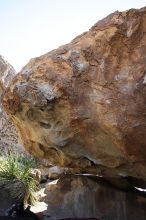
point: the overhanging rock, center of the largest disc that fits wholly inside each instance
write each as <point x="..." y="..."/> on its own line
<point x="83" y="105"/>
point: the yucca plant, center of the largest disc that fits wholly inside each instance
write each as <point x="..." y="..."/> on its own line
<point x="15" y="170"/>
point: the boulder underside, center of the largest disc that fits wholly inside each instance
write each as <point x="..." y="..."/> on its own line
<point x="83" y="197"/>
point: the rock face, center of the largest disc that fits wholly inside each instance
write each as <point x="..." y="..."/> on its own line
<point x="9" y="139"/>
<point x="83" y="105"/>
<point x="81" y="197"/>
<point x="7" y="73"/>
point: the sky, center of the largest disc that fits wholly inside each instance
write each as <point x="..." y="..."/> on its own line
<point x="30" y="28"/>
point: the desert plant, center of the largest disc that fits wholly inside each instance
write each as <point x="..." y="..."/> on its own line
<point x="16" y="169"/>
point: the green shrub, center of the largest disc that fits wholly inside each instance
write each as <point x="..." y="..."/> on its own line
<point x="16" y="168"/>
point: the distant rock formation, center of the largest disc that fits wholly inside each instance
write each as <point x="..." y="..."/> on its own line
<point x="9" y="139"/>
<point x="7" y="73"/>
<point x="83" y="105"/>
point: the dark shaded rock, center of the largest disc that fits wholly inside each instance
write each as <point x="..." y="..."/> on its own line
<point x="11" y="192"/>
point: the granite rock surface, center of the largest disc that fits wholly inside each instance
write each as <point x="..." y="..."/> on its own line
<point x="9" y="138"/>
<point x="83" y="105"/>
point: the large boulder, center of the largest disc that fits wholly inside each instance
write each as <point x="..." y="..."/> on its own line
<point x="83" y="197"/>
<point x="83" y="105"/>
